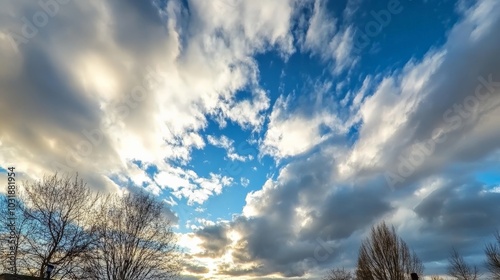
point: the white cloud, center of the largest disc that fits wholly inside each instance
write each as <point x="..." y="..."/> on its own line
<point x="291" y="132"/>
<point x="495" y="189"/>
<point x="331" y="41"/>
<point x="244" y="181"/>
<point x="222" y="142"/>
<point x="175" y="179"/>
<point x="228" y="144"/>
<point x="411" y="105"/>
<point x="144" y="95"/>
<point x="185" y="184"/>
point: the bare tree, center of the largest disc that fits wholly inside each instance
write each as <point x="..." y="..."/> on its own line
<point x="492" y="251"/>
<point x="461" y="270"/>
<point x="57" y="210"/>
<point x="339" y="274"/>
<point x="135" y="241"/>
<point x="385" y="256"/>
<point x="13" y="234"/>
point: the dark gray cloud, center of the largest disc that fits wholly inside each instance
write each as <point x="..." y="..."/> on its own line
<point x="196" y="269"/>
<point x="273" y="241"/>
<point x="214" y="240"/>
<point x="461" y="214"/>
<point x="348" y="210"/>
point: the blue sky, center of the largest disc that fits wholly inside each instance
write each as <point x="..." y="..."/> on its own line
<point x="271" y="129"/>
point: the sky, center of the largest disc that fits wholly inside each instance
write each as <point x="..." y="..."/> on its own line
<point x="276" y="132"/>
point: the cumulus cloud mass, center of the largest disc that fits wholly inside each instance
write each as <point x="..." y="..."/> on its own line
<point x="277" y="132"/>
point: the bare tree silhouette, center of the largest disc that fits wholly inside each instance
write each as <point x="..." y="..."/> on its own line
<point x="385" y="256"/>
<point x="492" y="252"/>
<point x="135" y="241"/>
<point x="339" y="274"/>
<point x="461" y="270"/>
<point x="55" y="225"/>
